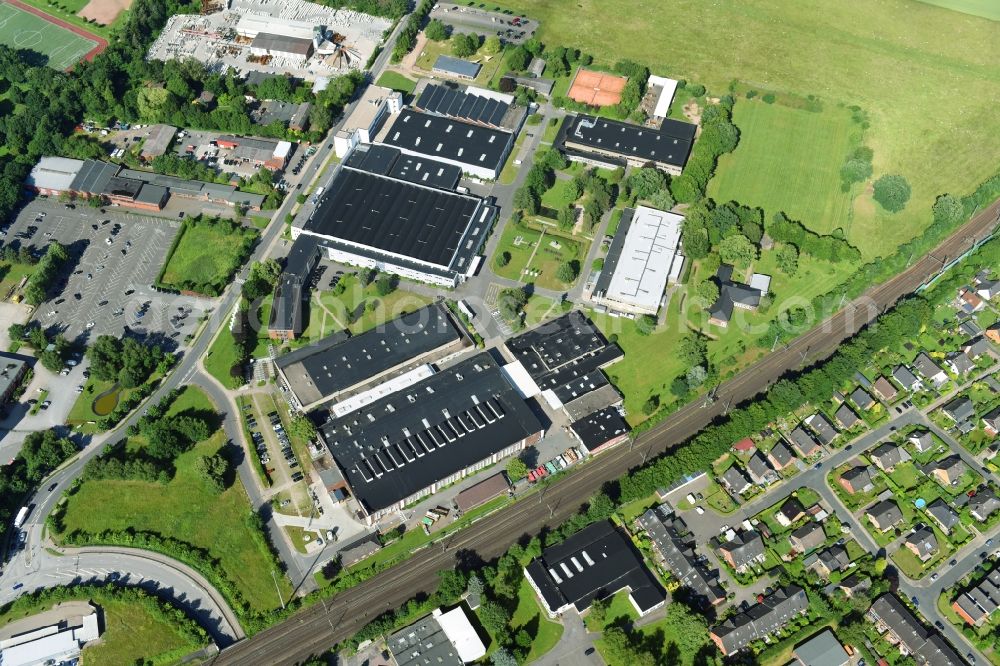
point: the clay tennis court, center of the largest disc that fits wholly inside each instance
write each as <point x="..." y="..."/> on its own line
<point x="25" y="27"/>
<point x="596" y="88"/>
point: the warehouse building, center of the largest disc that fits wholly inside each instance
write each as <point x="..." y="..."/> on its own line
<point x="12" y="371"/>
<point x="441" y="638"/>
<point x="391" y="162"/>
<point x="462" y="69"/>
<point x="479" y="151"/>
<point x="413" y="442"/>
<point x="340" y="366"/>
<point x="369" y="114"/>
<point x="56" y="636"/>
<point x="644" y="256"/>
<point x="419" y="232"/>
<point x="268" y="153"/>
<point x="472" y="105"/>
<point x="611" y="144"/>
<point x="158" y="140"/>
<point x="295" y="49"/>
<point x="595" y="563"/>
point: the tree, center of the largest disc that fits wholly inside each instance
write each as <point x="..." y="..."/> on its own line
<point x="527" y="200"/>
<point x="436" y="31"/>
<point x="492" y="45"/>
<point x="696" y="376"/>
<point x="16" y="332"/>
<point x="696" y="243"/>
<point x="386" y="284"/>
<point x="511" y="303"/>
<point x="692" y="349"/>
<point x="104" y="357"/>
<point x="494" y="617"/>
<point x="303" y="428"/>
<point x="661" y="199"/>
<point x="892" y="192"/>
<point x="737" y="249"/>
<point x="645" y="324"/>
<point x="503" y="258"/>
<point x="43" y="451"/>
<point x="518" y="59"/>
<point x="475" y="585"/>
<point x="213" y="469"/>
<point x="503" y="657"/>
<point x="516" y="469"/>
<point x="451" y="585"/>
<point x="707" y="292"/>
<point x="855" y="171"/>
<point x="948" y="210"/>
<point x="787" y="259"/>
<point x="646" y="181"/>
<point x="567" y="271"/>
<point x="599" y="610"/>
<point x="464" y="45"/>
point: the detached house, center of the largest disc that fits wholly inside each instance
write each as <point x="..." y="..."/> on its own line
<point x="884" y="515"/>
<point x="922" y="543"/>
<point x="743" y="551"/>
<point x="943" y="515"/>
<point x="760" y="471"/>
<point x="993" y="333"/>
<point x="960" y="410"/>
<point x="969" y="301"/>
<point x="791" y="511"/>
<point x="834" y="558"/>
<point x="983" y="504"/>
<point x="929" y="370"/>
<point x="862" y="399"/>
<point x="907" y="379"/>
<point x="860" y="479"/>
<point x="803" y="442"/>
<point x="959" y="363"/>
<point x="922" y="440"/>
<point x="977" y="347"/>
<point x="947" y="471"/>
<point x="824" y="429"/>
<point x="887" y="456"/>
<point x="780" y="456"/>
<point x="807" y="537"/>
<point x="884" y="389"/>
<point x="846" y="417"/>
<point x="991" y="422"/>
<point x="735" y="480"/>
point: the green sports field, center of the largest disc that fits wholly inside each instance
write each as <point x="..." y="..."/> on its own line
<point x="989" y="9"/>
<point x="22" y="30"/>
<point x="926" y="76"/>
<point x="789" y="160"/>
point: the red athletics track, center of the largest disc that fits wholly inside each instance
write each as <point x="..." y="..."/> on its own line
<point x="91" y="54"/>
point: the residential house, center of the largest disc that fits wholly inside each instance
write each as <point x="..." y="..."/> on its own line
<point x="969" y="301"/>
<point x="834" y="558"/>
<point x="960" y="410"/>
<point x="976" y="347"/>
<point x="991" y="422"/>
<point x="789" y="512"/>
<point x="846" y="417"/>
<point x="760" y="471"/>
<point x="986" y="288"/>
<point x="993" y="333"/>
<point x="863" y="399"/>
<point x="823" y="649"/>
<point x="929" y="370"/>
<point x="901" y="627"/>
<point x="922" y="440"/>
<point x="983" y="504"/>
<point x="887" y="456"/>
<point x="884" y="389"/>
<point x="764" y="618"/>
<point x="977" y="604"/>
<point x="860" y="479"/>
<point x="922" y="543"/>
<point x="943" y="515"/>
<point x="823" y="428"/>
<point x="803" y="442"/>
<point x="947" y="471"/>
<point x="745" y="445"/>
<point x="959" y="363"/>
<point x="907" y="379"/>
<point x="854" y="584"/>
<point x="780" y="456"/>
<point x="743" y="550"/>
<point x="807" y="537"/>
<point x="735" y="480"/>
<point x="969" y="327"/>
<point x="884" y="515"/>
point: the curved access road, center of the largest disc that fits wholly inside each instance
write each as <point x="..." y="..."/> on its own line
<point x="316" y="628"/>
<point x="157" y="574"/>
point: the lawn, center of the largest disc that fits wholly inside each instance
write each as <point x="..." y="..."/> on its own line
<point x="131" y="633"/>
<point x="11" y="274"/>
<point x="920" y="72"/>
<point x="491" y="65"/>
<point x="789" y="160"/>
<point x="396" y="81"/>
<point x="560" y="195"/>
<point x="221" y="357"/>
<point x="985" y="8"/>
<point x="678" y="639"/>
<point x="188" y="510"/>
<point x="545" y="634"/>
<point x="540" y="308"/>
<point x="20" y="29"/>
<point x="535" y="255"/>
<point x="206" y="255"/>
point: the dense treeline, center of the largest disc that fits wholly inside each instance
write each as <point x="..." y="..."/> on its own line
<point x="388" y="8"/>
<point x="718" y="136"/>
<point x="45" y="273"/>
<point x="41" y="453"/>
<point x="408" y="35"/>
<point x="828" y="248"/>
<point x="126" y="361"/>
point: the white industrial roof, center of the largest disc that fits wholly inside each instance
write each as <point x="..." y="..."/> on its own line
<point x="519" y="378"/>
<point x="283" y="149"/>
<point x="367" y="108"/>
<point x="251" y="25"/>
<point x="54" y="173"/>
<point x="667" y="89"/>
<point x="458" y="629"/>
<point x="490" y="94"/>
<point x="645" y="263"/>
<point x="395" y="384"/>
<point x="57" y="647"/>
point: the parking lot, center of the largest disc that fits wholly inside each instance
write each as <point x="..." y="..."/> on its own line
<point x="509" y="27"/>
<point x="109" y="277"/>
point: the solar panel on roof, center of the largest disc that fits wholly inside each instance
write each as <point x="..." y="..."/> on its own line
<point x="468" y="102"/>
<point x="476" y="112"/>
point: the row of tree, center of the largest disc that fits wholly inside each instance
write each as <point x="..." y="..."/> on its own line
<point x="126" y="361"/>
<point x="45" y="273"/>
<point x="407" y="38"/>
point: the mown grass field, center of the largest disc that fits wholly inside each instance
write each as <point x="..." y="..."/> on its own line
<point x="23" y="30"/>
<point x="922" y="73"/>
<point x="989" y="9"/>
<point x="789" y="160"/>
<point x="186" y="509"/>
<point x="397" y="81"/>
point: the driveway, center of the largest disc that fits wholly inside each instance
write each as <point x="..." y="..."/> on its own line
<point x="570" y="649"/>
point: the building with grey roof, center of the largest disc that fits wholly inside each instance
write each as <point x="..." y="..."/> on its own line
<point x="675" y="544"/>
<point x="860" y="479"/>
<point x="959" y="363"/>
<point x="732" y="295"/>
<point x="823" y="649"/>
<point x="829" y="560"/>
<point x="53" y="175"/>
<point x="457" y="67"/>
<point x="922" y="543"/>
<point x="846" y="417"/>
<point x="929" y="370"/>
<point x="803" y="442"/>
<point x="780" y="456"/>
<point x="887" y="456"/>
<point x="644" y="256"/>
<point x="807" y="537"/>
<point x="760" y="471"/>
<point x="862" y="399"/>
<point x="474" y="105"/>
<point x="906" y="379"/>
<point x="928" y="648"/>
<point x="884" y="515"/>
<point x="158" y="139"/>
<point x="948" y="470"/>
<point x="735" y="480"/>
<point x="822" y="427"/>
<point x="960" y="410"/>
<point x="760" y="620"/>
<point x="922" y="440"/>
<point x="296" y="49"/>
<point x="983" y="504"/>
<point x="13" y="367"/>
<point x="745" y="549"/>
<point x="441" y="638"/>
<point x="977" y="604"/>
<point x="884" y="388"/>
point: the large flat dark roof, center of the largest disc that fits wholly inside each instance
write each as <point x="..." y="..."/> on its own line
<point x="338" y="362"/>
<point x="593" y="564"/>
<point x="600" y="427"/>
<point x="447" y="138"/>
<point x="446" y="101"/>
<point x="428" y="225"/>
<point x="670" y="144"/>
<point x="411" y="439"/>
<point x="389" y="161"/>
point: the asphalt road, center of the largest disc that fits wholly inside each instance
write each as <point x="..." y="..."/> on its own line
<point x="318" y="627"/>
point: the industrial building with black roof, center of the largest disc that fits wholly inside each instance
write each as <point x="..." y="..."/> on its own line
<point x="340" y="365"/>
<point x="610" y="143"/>
<point x="603" y="428"/>
<point x="594" y="563"/>
<point x="410" y="443"/>
<point x="474" y="105"/>
<point x="413" y="230"/>
<point x="391" y="162"/>
<point x="479" y="151"/>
